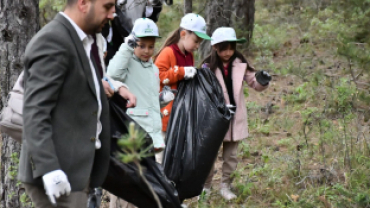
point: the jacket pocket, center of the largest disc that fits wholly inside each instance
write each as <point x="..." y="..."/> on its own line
<point x="142" y="117"/>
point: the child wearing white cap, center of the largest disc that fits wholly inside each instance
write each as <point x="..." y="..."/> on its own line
<point x="132" y="64"/>
<point x="231" y="69"/>
<point x="175" y="59"/>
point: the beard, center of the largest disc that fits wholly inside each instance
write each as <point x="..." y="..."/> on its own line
<point x="93" y="25"/>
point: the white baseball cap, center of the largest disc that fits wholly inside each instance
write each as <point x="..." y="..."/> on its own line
<point x="196" y="24"/>
<point x="144" y="27"/>
<point x="225" y="34"/>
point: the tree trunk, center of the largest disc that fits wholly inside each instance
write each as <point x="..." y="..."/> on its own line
<point x="217" y="14"/>
<point x="249" y="10"/>
<point x="238" y="6"/>
<point x="19" y="21"/>
<point x="188" y="6"/>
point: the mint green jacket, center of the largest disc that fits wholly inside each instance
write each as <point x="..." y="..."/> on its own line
<point x="142" y="78"/>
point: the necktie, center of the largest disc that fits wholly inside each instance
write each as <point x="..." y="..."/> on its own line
<point x="94" y="56"/>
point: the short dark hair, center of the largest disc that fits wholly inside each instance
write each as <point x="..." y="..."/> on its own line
<point x="72" y="2"/>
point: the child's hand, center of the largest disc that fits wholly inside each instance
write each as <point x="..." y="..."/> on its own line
<point x="190" y="72"/>
<point x="131" y="40"/>
<point x="263" y="77"/>
<point x="131" y="98"/>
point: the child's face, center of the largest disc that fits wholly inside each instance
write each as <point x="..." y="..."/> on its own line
<point x="145" y="48"/>
<point x="190" y="40"/>
<point x="226" y="54"/>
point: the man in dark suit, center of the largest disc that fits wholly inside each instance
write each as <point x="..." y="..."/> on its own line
<point x="66" y="139"/>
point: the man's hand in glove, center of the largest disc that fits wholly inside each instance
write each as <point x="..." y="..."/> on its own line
<point x="166" y="96"/>
<point x="131" y="40"/>
<point x="56" y="184"/>
<point x="190" y="72"/>
<point x="263" y="77"/>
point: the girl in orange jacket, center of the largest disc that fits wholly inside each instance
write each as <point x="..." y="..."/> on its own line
<point x="175" y="59"/>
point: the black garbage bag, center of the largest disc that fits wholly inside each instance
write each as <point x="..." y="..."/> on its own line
<point x="197" y="126"/>
<point x="123" y="180"/>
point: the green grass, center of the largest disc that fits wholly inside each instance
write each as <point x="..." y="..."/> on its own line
<point x="312" y="151"/>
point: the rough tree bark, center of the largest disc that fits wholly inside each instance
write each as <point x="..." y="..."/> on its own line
<point x="188" y="6"/>
<point x="244" y="17"/>
<point x="237" y="13"/>
<point x="217" y="14"/>
<point x="248" y="20"/>
<point x="19" y="21"/>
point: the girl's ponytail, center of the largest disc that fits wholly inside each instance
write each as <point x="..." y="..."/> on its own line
<point x="174" y="38"/>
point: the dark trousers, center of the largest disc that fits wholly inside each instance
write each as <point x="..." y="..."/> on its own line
<point x="37" y="194"/>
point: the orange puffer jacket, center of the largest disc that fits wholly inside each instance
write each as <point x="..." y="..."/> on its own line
<point x="170" y="74"/>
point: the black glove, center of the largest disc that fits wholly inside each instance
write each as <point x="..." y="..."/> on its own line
<point x="263" y="77"/>
<point x="132" y="40"/>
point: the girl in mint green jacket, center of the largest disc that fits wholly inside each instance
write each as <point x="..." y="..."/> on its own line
<point x="133" y="65"/>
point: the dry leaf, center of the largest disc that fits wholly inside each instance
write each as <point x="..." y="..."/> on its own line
<point x="323" y="200"/>
<point x="294" y="197"/>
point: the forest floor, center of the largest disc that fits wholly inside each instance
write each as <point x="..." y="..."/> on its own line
<point x="261" y="145"/>
<point x="309" y="131"/>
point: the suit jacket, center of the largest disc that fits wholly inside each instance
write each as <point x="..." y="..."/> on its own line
<point x="239" y="125"/>
<point x="60" y="110"/>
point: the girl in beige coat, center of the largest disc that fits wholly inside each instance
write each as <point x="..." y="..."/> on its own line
<point x="231" y="69"/>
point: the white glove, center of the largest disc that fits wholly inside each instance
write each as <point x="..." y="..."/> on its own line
<point x="56" y="184"/>
<point x="190" y="72"/>
<point x="166" y="96"/>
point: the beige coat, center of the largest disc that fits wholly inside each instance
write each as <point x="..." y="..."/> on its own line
<point x="239" y="125"/>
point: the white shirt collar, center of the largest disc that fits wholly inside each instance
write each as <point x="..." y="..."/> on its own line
<point x="79" y="31"/>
